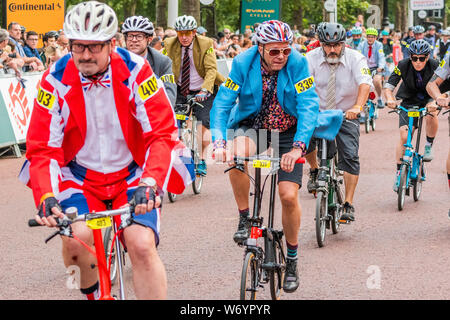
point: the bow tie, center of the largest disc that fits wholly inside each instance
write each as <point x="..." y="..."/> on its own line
<point x="103" y="81"/>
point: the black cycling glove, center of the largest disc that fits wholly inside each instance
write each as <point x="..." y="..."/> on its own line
<point x="45" y="209"/>
<point x="143" y="195"/>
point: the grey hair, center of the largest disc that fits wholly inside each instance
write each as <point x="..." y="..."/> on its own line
<point x="4" y="34"/>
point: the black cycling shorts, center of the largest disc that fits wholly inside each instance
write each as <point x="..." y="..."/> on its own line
<point x="202" y="114"/>
<point x="262" y="139"/>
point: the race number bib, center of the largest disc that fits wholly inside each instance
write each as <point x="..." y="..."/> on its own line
<point x="148" y="88"/>
<point x="45" y="99"/>
<point x="230" y="84"/>
<point x="366" y="72"/>
<point x="304" y="84"/>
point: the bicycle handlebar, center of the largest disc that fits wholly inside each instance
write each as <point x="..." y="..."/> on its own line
<point x="85" y="217"/>
<point x="244" y="159"/>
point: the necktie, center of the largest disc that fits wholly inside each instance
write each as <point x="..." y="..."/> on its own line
<point x="185" y="72"/>
<point x="331" y="88"/>
<point x="370" y="52"/>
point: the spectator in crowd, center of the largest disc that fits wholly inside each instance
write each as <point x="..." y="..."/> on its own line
<point x="53" y="52"/>
<point x="310" y="37"/>
<point x="8" y="58"/>
<point x="202" y="31"/>
<point x="156" y="43"/>
<point x="159" y="32"/>
<point x="248" y="34"/>
<point x="169" y="33"/>
<point x="120" y="40"/>
<point x="30" y="47"/>
<point x="227" y="34"/>
<point x="246" y="44"/>
<point x="233" y="48"/>
<point x="220" y="46"/>
<point x="29" y="63"/>
<point x="63" y="44"/>
<point x="299" y="44"/>
<point x="49" y="41"/>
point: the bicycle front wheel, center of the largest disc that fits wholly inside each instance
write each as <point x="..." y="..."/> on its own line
<point x="401" y="193"/>
<point x="276" y="277"/>
<point x="417" y="190"/>
<point x="107" y="240"/>
<point x="249" y="277"/>
<point x="321" y="217"/>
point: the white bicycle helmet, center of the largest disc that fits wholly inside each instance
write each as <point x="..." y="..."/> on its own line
<point x="185" y="23"/>
<point x="91" y="20"/>
<point x="138" y="24"/>
<point x="273" y="31"/>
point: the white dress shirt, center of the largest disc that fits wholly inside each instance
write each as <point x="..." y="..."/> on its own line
<point x="350" y="74"/>
<point x="105" y="149"/>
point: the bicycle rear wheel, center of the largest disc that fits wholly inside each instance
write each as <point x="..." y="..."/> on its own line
<point x="321" y="216"/>
<point x="249" y="277"/>
<point x="401" y="193"/>
<point x="276" y="277"/>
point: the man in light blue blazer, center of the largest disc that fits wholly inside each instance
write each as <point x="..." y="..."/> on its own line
<point x="276" y="95"/>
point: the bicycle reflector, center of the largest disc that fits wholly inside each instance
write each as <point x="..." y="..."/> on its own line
<point x="256" y="233"/>
<point x="372" y="95"/>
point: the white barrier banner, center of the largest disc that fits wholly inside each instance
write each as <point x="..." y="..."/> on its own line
<point x="19" y="101"/>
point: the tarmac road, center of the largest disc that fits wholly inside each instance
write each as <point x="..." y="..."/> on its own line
<point x="384" y="254"/>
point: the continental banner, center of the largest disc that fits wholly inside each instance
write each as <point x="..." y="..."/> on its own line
<point x="17" y="102"/>
<point x="36" y="15"/>
<point x="257" y="11"/>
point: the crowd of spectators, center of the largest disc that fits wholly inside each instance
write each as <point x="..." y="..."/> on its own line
<point x="19" y="50"/>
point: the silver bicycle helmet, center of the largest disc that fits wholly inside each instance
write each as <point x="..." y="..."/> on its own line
<point x="138" y="24"/>
<point x="331" y="32"/>
<point x="91" y="20"/>
<point x="185" y="23"/>
<point x="419" y="47"/>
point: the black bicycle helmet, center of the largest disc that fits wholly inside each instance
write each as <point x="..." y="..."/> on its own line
<point x="418" y="47"/>
<point x="331" y="32"/>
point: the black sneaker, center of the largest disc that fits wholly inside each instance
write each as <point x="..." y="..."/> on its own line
<point x="242" y="232"/>
<point x="312" y="182"/>
<point x="348" y="212"/>
<point x="291" y="282"/>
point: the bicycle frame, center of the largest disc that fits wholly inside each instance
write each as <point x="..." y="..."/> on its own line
<point x="96" y="221"/>
<point x="411" y="158"/>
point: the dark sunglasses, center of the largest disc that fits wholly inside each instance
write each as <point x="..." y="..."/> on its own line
<point x="422" y="59"/>
<point x="276" y="52"/>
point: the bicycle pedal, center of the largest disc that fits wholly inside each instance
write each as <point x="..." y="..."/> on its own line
<point x="344" y="221"/>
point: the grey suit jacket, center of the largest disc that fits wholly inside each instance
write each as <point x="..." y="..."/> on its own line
<point x="162" y="67"/>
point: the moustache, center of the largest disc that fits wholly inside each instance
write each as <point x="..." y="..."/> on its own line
<point x="87" y="61"/>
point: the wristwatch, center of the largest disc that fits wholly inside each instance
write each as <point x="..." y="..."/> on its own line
<point x="148" y="182"/>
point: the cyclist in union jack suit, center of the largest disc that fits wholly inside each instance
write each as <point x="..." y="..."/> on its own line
<point x="103" y="129"/>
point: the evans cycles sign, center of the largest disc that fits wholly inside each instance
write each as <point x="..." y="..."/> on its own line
<point x="257" y="11"/>
<point x="36" y="15"/>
